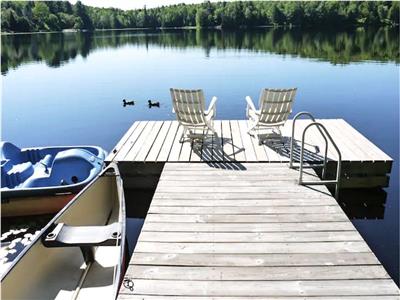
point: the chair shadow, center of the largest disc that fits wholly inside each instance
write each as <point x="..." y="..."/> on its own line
<point x="210" y="150"/>
<point x="282" y="147"/>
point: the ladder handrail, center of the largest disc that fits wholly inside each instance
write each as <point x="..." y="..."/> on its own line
<point x="339" y="164"/>
<point x="306" y="113"/>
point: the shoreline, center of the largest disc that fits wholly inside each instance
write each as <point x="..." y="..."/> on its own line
<point x="173" y="28"/>
<point x="140" y="29"/>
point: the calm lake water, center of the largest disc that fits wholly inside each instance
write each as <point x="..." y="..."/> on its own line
<point x="67" y="89"/>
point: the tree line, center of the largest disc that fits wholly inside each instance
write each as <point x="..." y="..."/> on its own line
<point x="31" y="16"/>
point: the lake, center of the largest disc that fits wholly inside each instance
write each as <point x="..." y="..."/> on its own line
<point x="67" y="89"/>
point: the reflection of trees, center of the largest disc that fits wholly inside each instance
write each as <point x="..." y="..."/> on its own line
<point x="337" y="47"/>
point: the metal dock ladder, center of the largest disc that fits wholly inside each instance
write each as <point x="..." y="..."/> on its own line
<point x="326" y="136"/>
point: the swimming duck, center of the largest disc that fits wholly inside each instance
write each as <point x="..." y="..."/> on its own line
<point x="125" y="103"/>
<point x="151" y="104"/>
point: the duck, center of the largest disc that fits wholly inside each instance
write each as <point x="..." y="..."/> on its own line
<point x="125" y="102"/>
<point x="151" y="104"/>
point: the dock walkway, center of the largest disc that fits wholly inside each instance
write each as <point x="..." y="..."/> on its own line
<point x="231" y="230"/>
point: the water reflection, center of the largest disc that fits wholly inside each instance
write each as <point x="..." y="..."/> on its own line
<point x="363" y="203"/>
<point x="336" y="47"/>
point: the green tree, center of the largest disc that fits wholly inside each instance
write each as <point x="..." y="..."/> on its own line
<point x="78" y="24"/>
<point x="80" y="12"/>
<point x="277" y="16"/>
<point x="40" y="14"/>
<point x="201" y="17"/>
<point x="66" y="21"/>
<point x="393" y="13"/>
<point x="53" y="22"/>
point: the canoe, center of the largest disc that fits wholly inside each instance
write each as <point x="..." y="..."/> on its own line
<point x="43" y="180"/>
<point x="80" y="253"/>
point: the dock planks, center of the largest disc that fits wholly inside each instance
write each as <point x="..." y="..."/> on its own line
<point x="158" y="141"/>
<point x="363" y="163"/>
<point x="241" y="238"/>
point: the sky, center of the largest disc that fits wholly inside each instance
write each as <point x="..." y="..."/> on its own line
<point x="133" y="4"/>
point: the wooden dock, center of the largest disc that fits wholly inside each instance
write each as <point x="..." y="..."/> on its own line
<point x="228" y="219"/>
<point x="364" y="164"/>
<point x="232" y="230"/>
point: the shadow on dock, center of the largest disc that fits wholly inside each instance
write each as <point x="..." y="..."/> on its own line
<point x="282" y="147"/>
<point x="212" y="152"/>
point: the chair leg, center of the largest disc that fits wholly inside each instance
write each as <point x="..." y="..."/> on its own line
<point x="260" y="140"/>
<point x="182" y="139"/>
<point x="252" y="127"/>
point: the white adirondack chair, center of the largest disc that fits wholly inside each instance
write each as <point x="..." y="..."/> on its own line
<point x="275" y="106"/>
<point x="189" y="107"/>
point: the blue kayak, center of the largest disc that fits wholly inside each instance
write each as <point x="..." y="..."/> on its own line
<point x="48" y="170"/>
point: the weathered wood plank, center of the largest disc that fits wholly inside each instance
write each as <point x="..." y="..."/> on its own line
<point x="221" y="195"/>
<point x="217" y="142"/>
<point x="228" y="147"/>
<point x="223" y="183"/>
<point x="191" y="178"/>
<point x="214" y="171"/>
<point x="351" y="133"/>
<point x="286" y="218"/>
<point x="247" y="227"/>
<point x="247" y="143"/>
<point x="197" y="149"/>
<point x="158" y="142"/>
<point x="148" y="143"/>
<point x="188" y="210"/>
<point x="256" y="194"/>
<point x="167" y="145"/>
<point x="186" y="150"/>
<point x="237" y="142"/>
<point x="348" y="152"/>
<point x="261" y="288"/>
<point x="121" y="142"/>
<point x="258" y="149"/>
<point x="257" y="273"/>
<point x="250" y="237"/>
<point x="258" y="189"/>
<point x="248" y="202"/>
<point x="176" y="146"/>
<point x="229" y="248"/>
<point x="221" y="165"/>
<point x="254" y="260"/>
<point x="140" y="141"/>
<point x="130" y="142"/>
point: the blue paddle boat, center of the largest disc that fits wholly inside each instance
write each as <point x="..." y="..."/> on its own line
<point x="43" y="180"/>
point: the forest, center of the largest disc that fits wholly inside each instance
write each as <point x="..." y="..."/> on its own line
<point x="32" y="16"/>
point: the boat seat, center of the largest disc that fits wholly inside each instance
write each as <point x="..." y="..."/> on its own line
<point x="62" y="235"/>
<point x="85" y="237"/>
<point x="17" y="174"/>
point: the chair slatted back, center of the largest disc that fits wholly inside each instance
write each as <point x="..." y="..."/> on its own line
<point x="189" y="105"/>
<point x="276" y="104"/>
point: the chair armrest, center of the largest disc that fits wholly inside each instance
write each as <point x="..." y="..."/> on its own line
<point x="250" y="104"/>
<point x="212" y="108"/>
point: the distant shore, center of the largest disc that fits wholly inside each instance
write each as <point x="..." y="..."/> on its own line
<point x="149" y="28"/>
